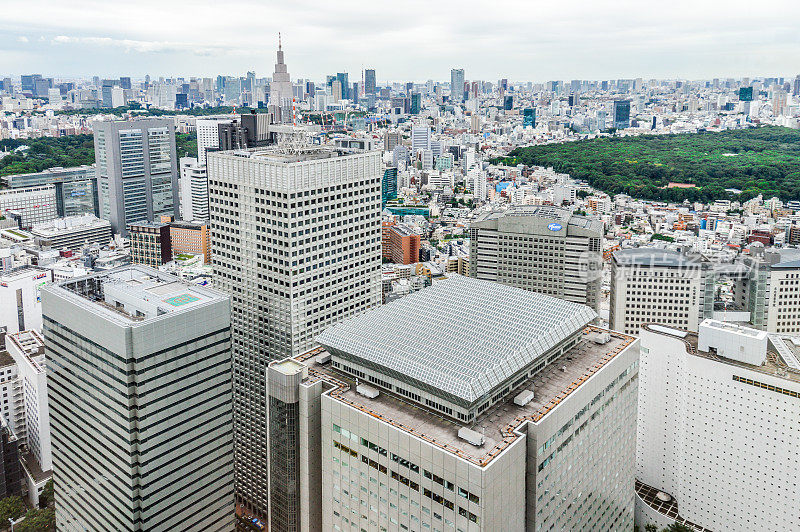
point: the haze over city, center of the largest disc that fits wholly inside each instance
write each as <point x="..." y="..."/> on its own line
<point x="415" y="40"/>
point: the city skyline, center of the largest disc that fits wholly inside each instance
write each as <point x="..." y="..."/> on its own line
<point x="517" y="40"/>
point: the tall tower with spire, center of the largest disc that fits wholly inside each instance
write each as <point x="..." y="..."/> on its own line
<point x="280" y="90"/>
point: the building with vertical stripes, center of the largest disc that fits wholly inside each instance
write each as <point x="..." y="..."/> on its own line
<point x="139" y="383"/>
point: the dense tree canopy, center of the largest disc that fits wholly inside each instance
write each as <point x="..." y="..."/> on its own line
<point x="73" y="150"/>
<point x="46" y="152"/>
<point x="764" y="160"/>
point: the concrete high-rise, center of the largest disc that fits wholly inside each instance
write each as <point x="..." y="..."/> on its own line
<point x="369" y="81"/>
<point x="139" y="384"/>
<point x="659" y="286"/>
<point x="468" y="405"/>
<point x="457" y="85"/>
<point x="543" y="249"/>
<point x="295" y="237"/>
<point x="137" y="170"/>
<point x="280" y="89"/>
<point x="717" y="428"/>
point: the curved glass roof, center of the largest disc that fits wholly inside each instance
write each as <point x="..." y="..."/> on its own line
<point x="462" y="336"/>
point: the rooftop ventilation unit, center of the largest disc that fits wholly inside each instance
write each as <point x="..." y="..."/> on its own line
<point x="470" y="436"/>
<point x="523" y="398"/>
<point x="367" y="391"/>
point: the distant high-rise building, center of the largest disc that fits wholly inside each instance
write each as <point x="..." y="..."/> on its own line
<point x="296" y="242"/>
<point x="468" y="405"/>
<point x="746" y="94"/>
<point x="796" y="86"/>
<point x="542" y="249"/>
<point x="389" y="185"/>
<point x="137" y="170"/>
<point x="529" y="117"/>
<point x="420" y="136"/>
<point x="336" y="90"/>
<point x="139" y="384"/>
<point x="416" y="103"/>
<point x="280" y="89"/>
<point x="125" y="83"/>
<point x="508" y="102"/>
<point x="107" y="92"/>
<point x="457" y="85"/>
<point x="194" y="190"/>
<point x="369" y="81"/>
<point x="717" y="431"/>
<point x="779" y="102"/>
<point x="622" y="114"/>
<point x="343" y="79"/>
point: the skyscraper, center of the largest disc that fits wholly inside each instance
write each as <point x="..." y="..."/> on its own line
<point x="137" y="170"/>
<point x="280" y="89"/>
<point x="295" y="240"/>
<point x="457" y="85"/>
<point x="529" y="117"/>
<point x="369" y="81"/>
<point x="343" y="78"/>
<point x="622" y="114"/>
<point x="139" y="383"/>
<point x="543" y="249"/>
<point x="468" y="405"/>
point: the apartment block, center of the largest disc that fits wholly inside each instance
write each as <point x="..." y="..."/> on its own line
<point x="150" y="243"/>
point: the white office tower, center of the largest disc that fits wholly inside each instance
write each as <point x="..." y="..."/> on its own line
<point x="194" y="190"/>
<point x="543" y="249"/>
<point x="208" y="135"/>
<point x="280" y="89"/>
<point x="717" y="429"/>
<point x="295" y="234"/>
<point x="468" y="405"/>
<point x="27" y="350"/>
<point x="420" y="137"/>
<point x="659" y="286"/>
<point x="140" y="402"/>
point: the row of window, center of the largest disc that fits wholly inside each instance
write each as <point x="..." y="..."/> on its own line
<point x="769" y="387"/>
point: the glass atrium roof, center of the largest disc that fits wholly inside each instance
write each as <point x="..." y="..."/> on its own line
<point x="462" y="336"/>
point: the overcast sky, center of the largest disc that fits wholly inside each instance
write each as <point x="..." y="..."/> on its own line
<point x="404" y="40"/>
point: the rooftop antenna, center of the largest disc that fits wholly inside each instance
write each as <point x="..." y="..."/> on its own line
<point x="279" y="40"/>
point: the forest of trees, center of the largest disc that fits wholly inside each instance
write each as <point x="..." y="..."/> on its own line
<point x="764" y="160"/>
<point x="72" y="150"/>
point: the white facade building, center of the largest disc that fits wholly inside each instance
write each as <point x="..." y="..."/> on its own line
<point x="27" y="350"/>
<point x="32" y="204"/>
<point x="478" y="415"/>
<point x="659" y="286"/>
<point x="208" y="135"/>
<point x="20" y="300"/>
<point x="420" y="137"/>
<point x="193" y="190"/>
<point x="73" y="232"/>
<point x="717" y="433"/>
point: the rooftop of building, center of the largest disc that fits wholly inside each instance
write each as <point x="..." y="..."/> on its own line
<point x="288" y="153"/>
<point x="147" y="225"/>
<point x="457" y="334"/>
<point x="782" y="360"/>
<point x="547" y="212"/>
<point x="60" y="225"/>
<point x="551" y="386"/>
<point x="135" y="293"/>
<point x="184" y="224"/>
<point x="31" y="465"/>
<point x="664" y="258"/>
